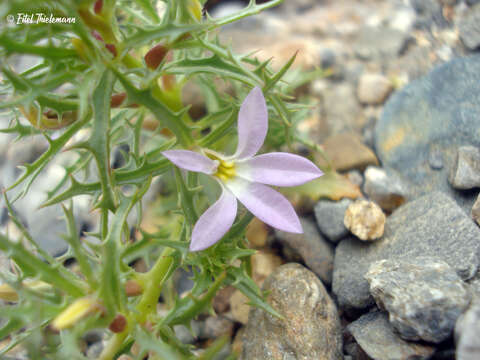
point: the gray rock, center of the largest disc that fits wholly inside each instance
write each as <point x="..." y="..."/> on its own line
<point x="355" y="176"/>
<point x="435" y="159"/>
<point x="217" y="326"/>
<point x="428" y="12"/>
<point x="310" y="328"/>
<point x="476" y="210"/>
<point x="189" y="336"/>
<point x="469" y="27"/>
<point x="386" y="188"/>
<point x="378" y="339"/>
<point x="312" y="248"/>
<point x="439" y="113"/>
<point x="465" y="173"/>
<point x="447" y="2"/>
<point x="379" y="42"/>
<point x="474" y="284"/>
<point x="94" y="350"/>
<point x="354" y="350"/>
<point x="434" y="225"/>
<point x="340" y="116"/>
<point x="423" y="296"/>
<point x="467" y="331"/>
<point x="329" y="216"/>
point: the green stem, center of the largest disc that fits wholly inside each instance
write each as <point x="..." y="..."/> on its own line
<point x="152" y="284"/>
<point x="114" y="345"/>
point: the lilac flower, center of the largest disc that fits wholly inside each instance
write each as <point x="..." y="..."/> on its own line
<point x="244" y="176"/>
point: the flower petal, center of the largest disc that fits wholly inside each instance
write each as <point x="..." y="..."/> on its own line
<point x="267" y="204"/>
<point x="214" y="222"/>
<point x="190" y="160"/>
<point x="252" y="124"/>
<point x="279" y="169"/>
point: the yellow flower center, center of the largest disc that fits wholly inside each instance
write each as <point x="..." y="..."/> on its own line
<point x="225" y="169"/>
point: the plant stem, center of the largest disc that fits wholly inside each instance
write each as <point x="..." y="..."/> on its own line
<point x="152" y="284"/>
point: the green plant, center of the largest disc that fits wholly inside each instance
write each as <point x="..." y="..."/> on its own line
<point x="118" y="73"/>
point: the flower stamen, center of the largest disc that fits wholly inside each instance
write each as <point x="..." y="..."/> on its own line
<point x="225" y="170"/>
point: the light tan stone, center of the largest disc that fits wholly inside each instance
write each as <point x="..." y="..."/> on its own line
<point x="365" y="220"/>
<point x="373" y="89"/>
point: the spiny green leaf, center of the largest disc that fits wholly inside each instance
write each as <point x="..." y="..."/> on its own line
<point x="168" y="33"/>
<point x="35" y="267"/>
<point x="190" y="306"/>
<point x="273" y="80"/>
<point x="163" y="114"/>
<point x="211" y="65"/>
<point x="247" y="286"/>
<point x="110" y="289"/>
<point x="78" y="250"/>
<point x="186" y="198"/>
<point x="48" y="52"/>
<point x="219" y="131"/>
<point x="98" y="143"/>
<point x="149" y="343"/>
<point x="250" y="10"/>
<point x="149" y="9"/>
<point x="34" y="169"/>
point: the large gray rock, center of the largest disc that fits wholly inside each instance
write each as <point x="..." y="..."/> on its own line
<point x="423" y="296"/>
<point x="432" y="115"/>
<point x="467" y="333"/>
<point x="434" y="225"/>
<point x="312" y="248"/>
<point x="378" y="339"/>
<point x="310" y="328"/>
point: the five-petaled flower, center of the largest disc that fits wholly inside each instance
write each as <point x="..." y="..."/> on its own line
<point x="244" y="176"/>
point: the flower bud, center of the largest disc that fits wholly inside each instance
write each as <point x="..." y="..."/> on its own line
<point x="97" y="36"/>
<point x="109" y="47"/>
<point x="76" y="311"/>
<point x="8" y="293"/>
<point x="133" y="288"/>
<point x="97" y="7"/>
<point x="118" y="324"/>
<point x="48" y="120"/>
<point x="155" y="56"/>
<point x="81" y="49"/>
<point x="117" y="100"/>
<point x="112" y="49"/>
<point x="195" y="9"/>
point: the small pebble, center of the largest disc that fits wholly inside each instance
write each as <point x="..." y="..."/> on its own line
<point x="384" y="188"/>
<point x="373" y="89"/>
<point x="465" y="173"/>
<point x="476" y="210"/>
<point x="469" y="27"/>
<point x="365" y="220"/>
<point x="329" y="216"/>
<point x="435" y="159"/>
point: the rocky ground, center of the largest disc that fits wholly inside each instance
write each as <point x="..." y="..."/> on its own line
<point x="393" y="275"/>
<point x="397" y="271"/>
